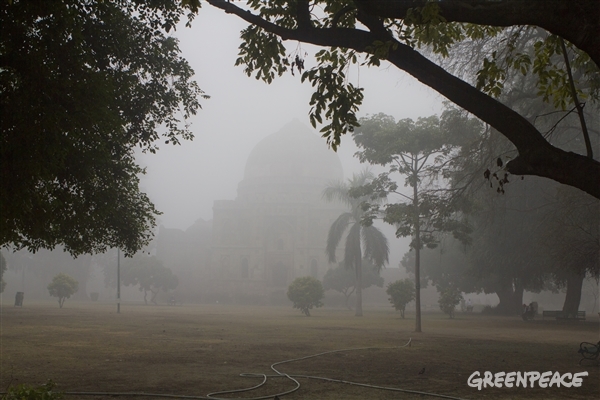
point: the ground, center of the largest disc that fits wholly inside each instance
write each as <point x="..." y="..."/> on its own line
<point x="194" y="350"/>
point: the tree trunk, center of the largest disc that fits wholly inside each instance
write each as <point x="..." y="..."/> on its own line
<point x="358" y="269"/>
<point x="81" y="273"/>
<point x="347" y="295"/>
<point x="511" y="300"/>
<point x="573" y="297"/>
<point x="417" y="251"/>
<point x="517" y="298"/>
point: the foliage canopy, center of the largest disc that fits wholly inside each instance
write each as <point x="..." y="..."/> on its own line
<point x="149" y="273"/>
<point x="83" y="84"/>
<point x="62" y="286"/>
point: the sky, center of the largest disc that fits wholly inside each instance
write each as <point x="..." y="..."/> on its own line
<point x="184" y="181"/>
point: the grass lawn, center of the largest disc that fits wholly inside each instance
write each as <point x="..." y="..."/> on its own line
<point x="198" y="349"/>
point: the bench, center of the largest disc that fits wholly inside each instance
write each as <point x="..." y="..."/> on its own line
<point x="560" y="315"/>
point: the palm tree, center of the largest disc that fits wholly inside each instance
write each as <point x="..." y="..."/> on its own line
<point x="360" y="238"/>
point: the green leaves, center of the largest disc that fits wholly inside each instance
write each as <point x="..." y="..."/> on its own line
<point x="528" y="51"/>
<point x="63" y="286"/>
<point x="262" y="53"/>
<point x="401" y="293"/>
<point x="83" y="85"/>
<point x="449" y="298"/>
<point x="421" y="151"/>
<point x="334" y="96"/>
<point x="306" y="293"/>
<point x="27" y="392"/>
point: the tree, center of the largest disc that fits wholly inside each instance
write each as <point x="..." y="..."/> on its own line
<point x="401" y="293"/>
<point x="571" y="237"/>
<point x="513" y="233"/>
<point x="343" y="280"/>
<point x="359" y="236"/>
<point x="306" y="293"/>
<point x="417" y="150"/>
<point x="63" y="286"/>
<point x="149" y="273"/>
<point x="395" y="31"/>
<point x="83" y="85"/>
<point x="449" y="299"/>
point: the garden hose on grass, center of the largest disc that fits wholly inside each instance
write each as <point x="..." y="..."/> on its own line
<point x="265" y="377"/>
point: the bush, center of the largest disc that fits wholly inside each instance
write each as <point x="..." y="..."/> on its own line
<point x="306" y="293"/>
<point x="449" y="299"/>
<point x="401" y="293"/>
<point x="26" y="392"/>
<point x="62" y="286"/>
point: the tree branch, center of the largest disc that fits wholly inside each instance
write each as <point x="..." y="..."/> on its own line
<point x="586" y="135"/>
<point x="536" y="155"/>
<point x="578" y="21"/>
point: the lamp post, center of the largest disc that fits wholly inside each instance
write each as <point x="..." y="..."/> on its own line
<point x="118" y="281"/>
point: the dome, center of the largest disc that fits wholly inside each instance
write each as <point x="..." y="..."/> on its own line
<point x="293" y="152"/>
<point x="294" y="158"/>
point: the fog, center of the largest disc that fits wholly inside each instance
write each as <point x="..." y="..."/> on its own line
<point x="183" y="181"/>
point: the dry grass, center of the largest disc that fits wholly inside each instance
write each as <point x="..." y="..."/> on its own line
<point x="198" y="349"/>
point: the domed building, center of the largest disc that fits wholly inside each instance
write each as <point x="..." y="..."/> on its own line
<point x="276" y="229"/>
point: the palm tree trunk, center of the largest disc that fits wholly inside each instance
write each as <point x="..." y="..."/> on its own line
<point x="358" y="269"/>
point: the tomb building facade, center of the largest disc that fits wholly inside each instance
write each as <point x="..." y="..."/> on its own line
<point x="276" y="228"/>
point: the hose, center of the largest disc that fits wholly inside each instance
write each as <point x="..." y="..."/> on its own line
<point x="265" y="377"/>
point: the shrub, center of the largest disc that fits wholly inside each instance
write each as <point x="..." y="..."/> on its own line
<point x="401" y="293"/>
<point x="306" y="293"/>
<point x="26" y="392"/>
<point x="449" y="299"/>
<point x="62" y="286"/>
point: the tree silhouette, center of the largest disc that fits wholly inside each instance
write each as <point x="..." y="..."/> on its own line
<point x="361" y="238"/>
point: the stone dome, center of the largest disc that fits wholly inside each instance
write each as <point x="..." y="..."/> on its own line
<point x="293" y="156"/>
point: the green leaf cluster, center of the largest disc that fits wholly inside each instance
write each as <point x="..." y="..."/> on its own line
<point x="421" y="151"/>
<point x="401" y="293"/>
<point x="262" y="52"/>
<point x="28" y="392"/>
<point x="84" y="84"/>
<point x="306" y="293"/>
<point x="449" y="298"/>
<point x="62" y="286"/>
<point x="526" y="50"/>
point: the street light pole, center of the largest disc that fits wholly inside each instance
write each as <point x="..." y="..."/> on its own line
<point x="118" y="281"/>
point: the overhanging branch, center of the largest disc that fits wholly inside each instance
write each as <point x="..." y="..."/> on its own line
<point x="577" y="21"/>
<point x="536" y="155"/>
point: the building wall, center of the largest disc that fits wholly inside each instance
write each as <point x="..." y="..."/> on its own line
<point x="268" y="245"/>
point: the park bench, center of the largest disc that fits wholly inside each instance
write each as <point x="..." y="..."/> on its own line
<point x="560" y="315"/>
